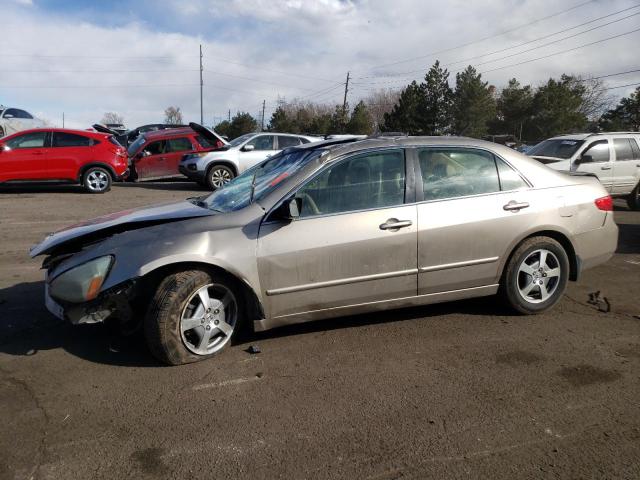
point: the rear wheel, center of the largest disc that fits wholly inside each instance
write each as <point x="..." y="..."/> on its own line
<point x="192" y="316"/>
<point x="96" y="180"/>
<point x="536" y="276"/>
<point x="218" y="175"/>
<point x="633" y="200"/>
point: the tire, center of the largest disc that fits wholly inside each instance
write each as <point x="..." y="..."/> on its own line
<point x="97" y="180"/>
<point x="218" y="175"/>
<point x="520" y="285"/>
<point x="179" y="330"/>
<point x="633" y="200"/>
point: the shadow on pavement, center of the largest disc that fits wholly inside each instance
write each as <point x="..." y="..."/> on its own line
<point x="170" y="184"/>
<point x="28" y="328"/>
<point x="42" y="188"/>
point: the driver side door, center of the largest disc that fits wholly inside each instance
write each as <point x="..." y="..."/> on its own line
<point x="152" y="163"/>
<point x="354" y="245"/>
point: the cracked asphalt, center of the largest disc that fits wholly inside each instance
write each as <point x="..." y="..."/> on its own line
<point x="457" y="390"/>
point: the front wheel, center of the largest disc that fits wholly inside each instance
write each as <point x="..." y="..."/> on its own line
<point x="96" y="180"/>
<point x="633" y="200"/>
<point x="192" y="317"/>
<point x="536" y="276"/>
<point x="218" y="175"/>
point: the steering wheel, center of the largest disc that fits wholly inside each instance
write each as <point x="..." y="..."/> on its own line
<point x="307" y="200"/>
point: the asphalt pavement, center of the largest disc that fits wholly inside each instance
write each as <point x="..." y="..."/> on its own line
<point x="457" y="390"/>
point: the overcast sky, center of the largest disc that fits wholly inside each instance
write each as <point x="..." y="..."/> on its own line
<point x="138" y="57"/>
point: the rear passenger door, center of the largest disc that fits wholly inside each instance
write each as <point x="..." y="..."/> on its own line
<point x="626" y="168"/>
<point x="596" y="159"/>
<point x="286" y="141"/>
<point x="263" y="147"/>
<point x="67" y="153"/>
<point x="468" y="216"/>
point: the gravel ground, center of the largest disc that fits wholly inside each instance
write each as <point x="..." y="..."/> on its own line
<point x="458" y="390"/>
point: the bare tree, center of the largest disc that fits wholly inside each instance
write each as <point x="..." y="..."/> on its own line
<point x="112" y="117"/>
<point x="595" y="97"/>
<point x="380" y="102"/>
<point x="173" y="116"/>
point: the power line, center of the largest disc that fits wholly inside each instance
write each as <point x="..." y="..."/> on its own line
<point x="623" y="86"/>
<point x="482" y="39"/>
<point x="526" y="43"/>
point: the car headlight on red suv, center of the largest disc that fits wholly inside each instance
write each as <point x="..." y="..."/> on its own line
<point x="81" y="283"/>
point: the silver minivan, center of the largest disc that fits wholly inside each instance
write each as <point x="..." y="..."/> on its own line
<point x="612" y="157"/>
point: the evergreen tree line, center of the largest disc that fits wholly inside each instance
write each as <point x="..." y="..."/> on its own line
<point x="470" y="108"/>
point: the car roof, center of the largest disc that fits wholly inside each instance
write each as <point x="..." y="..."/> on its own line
<point x="89" y="133"/>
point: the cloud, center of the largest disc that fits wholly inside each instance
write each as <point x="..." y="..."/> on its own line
<point x="146" y="58"/>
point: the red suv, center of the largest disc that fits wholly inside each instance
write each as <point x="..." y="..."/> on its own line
<point x="59" y="155"/>
<point x="158" y="153"/>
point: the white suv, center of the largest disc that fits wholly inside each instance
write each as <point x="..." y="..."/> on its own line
<point x="214" y="169"/>
<point x="14" y="120"/>
<point x="612" y="157"/>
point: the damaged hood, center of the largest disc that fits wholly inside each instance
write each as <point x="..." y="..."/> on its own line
<point x="107" y="225"/>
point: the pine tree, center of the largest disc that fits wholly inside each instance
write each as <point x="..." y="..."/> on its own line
<point x="405" y="116"/>
<point x="360" y="122"/>
<point x="474" y="105"/>
<point x="435" y="111"/>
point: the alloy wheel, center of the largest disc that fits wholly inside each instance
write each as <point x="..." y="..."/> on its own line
<point x="220" y="176"/>
<point x="539" y="276"/>
<point x="97" y="181"/>
<point x="208" y="319"/>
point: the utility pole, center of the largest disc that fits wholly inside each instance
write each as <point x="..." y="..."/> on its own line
<point x="62" y="119"/>
<point x="344" y="103"/>
<point x="263" y="105"/>
<point x="229" y="114"/>
<point x="201" y="84"/>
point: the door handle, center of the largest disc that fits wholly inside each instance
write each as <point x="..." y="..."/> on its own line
<point x="514" y="206"/>
<point x="394" y="224"/>
<point x="606" y="167"/>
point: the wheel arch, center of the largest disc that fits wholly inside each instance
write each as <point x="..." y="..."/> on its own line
<point x="561" y="237"/>
<point x="226" y="163"/>
<point x="152" y="278"/>
<point x="89" y="165"/>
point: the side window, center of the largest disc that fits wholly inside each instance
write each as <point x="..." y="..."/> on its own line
<point x="204" y="143"/>
<point x="28" y="140"/>
<point x="635" y="148"/>
<point x="23" y="114"/>
<point x="63" y="139"/>
<point x="285" y="142"/>
<point x="11" y="111"/>
<point x="509" y="178"/>
<point x="460" y="172"/>
<point x="178" y="145"/>
<point x="373" y="180"/>
<point x="155" y="148"/>
<point x="623" y="148"/>
<point x="596" y="152"/>
<point x="263" y="142"/>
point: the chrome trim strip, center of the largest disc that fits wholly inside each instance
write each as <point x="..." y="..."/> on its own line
<point x="491" y="288"/>
<point x="341" y="281"/>
<point x="447" y="266"/>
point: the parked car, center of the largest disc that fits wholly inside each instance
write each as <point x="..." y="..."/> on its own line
<point x="612" y="157"/>
<point x="91" y="159"/>
<point x="119" y="136"/>
<point x="14" y="120"/>
<point x="132" y="135"/>
<point x="330" y="229"/>
<point x="157" y="153"/>
<point x="214" y="169"/>
<point x="119" y="128"/>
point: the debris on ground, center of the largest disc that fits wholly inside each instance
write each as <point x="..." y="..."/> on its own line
<point x="602" y="303"/>
<point x="253" y="349"/>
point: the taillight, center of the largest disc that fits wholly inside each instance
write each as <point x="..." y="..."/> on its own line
<point x="605" y="203"/>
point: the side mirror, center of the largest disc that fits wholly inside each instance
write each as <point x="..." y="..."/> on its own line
<point x="145" y="153"/>
<point x="248" y="148"/>
<point x="583" y="159"/>
<point x="289" y="210"/>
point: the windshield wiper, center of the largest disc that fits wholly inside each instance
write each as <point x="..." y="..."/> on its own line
<point x="253" y="184"/>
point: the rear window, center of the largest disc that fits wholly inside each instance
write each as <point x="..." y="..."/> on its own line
<point x="63" y="139"/>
